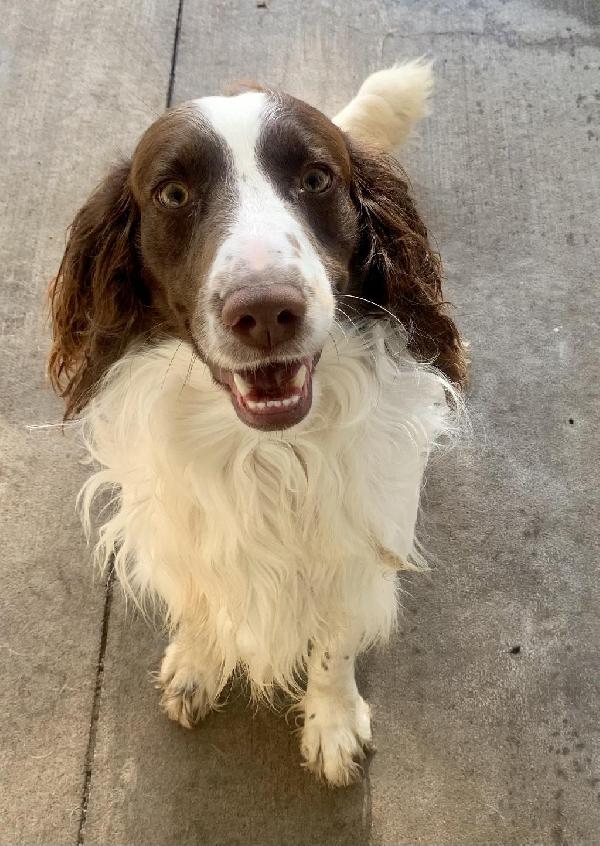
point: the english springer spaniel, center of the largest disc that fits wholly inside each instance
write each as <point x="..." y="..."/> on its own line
<point x="249" y="318"/>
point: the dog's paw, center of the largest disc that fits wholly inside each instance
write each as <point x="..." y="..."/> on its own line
<point x="185" y="701"/>
<point x="336" y="738"/>
<point x="185" y="696"/>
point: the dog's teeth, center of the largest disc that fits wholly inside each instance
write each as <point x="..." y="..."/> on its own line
<point x="241" y="384"/>
<point x="282" y="403"/>
<point x="300" y="377"/>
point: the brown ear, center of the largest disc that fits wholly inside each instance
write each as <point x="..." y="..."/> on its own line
<point x="395" y="266"/>
<point x="97" y="298"/>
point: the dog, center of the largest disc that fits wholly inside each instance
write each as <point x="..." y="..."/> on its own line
<point x="248" y="320"/>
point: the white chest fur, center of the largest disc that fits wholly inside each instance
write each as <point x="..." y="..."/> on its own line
<point x="271" y="539"/>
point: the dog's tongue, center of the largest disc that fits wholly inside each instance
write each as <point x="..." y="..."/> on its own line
<point x="271" y="380"/>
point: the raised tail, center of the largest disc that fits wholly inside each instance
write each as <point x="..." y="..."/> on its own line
<point x="388" y="104"/>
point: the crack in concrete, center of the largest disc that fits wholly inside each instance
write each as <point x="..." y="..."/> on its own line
<point x="174" y="54"/>
<point x="91" y="746"/>
<point x="510" y="38"/>
<point x="110" y="577"/>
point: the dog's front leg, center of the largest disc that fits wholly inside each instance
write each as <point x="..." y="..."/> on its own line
<point x="337" y="720"/>
<point x="191" y="675"/>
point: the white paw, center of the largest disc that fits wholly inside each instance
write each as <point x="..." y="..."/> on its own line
<point x="336" y="737"/>
<point x="185" y="697"/>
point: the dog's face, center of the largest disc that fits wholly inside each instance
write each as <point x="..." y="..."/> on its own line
<point x="239" y="226"/>
<point x="247" y="230"/>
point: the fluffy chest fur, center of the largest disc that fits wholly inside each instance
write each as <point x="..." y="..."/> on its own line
<point x="274" y="539"/>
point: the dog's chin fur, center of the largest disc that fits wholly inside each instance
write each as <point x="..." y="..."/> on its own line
<point x="270" y="540"/>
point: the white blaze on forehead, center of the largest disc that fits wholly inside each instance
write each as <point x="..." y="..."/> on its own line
<point x="239" y="121"/>
<point x="261" y="227"/>
<point x="260" y="218"/>
<point x="259" y="215"/>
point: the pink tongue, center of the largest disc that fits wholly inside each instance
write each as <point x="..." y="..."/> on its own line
<point x="272" y="379"/>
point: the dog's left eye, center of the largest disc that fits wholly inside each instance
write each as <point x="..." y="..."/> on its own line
<point x="172" y="195"/>
<point x="315" y="180"/>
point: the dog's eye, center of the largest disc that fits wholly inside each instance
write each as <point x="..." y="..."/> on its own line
<point x="315" y="180"/>
<point x="172" y="195"/>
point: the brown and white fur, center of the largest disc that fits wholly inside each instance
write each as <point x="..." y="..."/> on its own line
<point x="249" y="318"/>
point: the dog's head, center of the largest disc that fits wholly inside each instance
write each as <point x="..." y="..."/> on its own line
<point x="244" y="225"/>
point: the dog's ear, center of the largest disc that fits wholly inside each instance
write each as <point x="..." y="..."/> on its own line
<point x="97" y="298"/>
<point x="395" y="266"/>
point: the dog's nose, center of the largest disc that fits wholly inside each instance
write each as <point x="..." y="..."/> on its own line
<point x="264" y="316"/>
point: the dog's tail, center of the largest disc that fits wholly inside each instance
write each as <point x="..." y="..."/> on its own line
<point x="388" y="104"/>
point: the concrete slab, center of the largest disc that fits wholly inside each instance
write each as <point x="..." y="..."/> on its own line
<point x="486" y="702"/>
<point x="77" y="81"/>
<point x="236" y="780"/>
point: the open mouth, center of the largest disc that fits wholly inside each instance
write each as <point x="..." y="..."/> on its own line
<point x="273" y="396"/>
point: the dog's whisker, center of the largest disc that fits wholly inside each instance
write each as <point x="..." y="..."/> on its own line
<point x="355" y="326"/>
<point x="193" y="358"/>
<point x="170" y="365"/>
<point x="375" y="305"/>
<point x="333" y="341"/>
<point x="342" y="329"/>
<point x="339" y="309"/>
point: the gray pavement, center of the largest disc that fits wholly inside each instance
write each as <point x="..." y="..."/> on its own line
<point x="486" y="701"/>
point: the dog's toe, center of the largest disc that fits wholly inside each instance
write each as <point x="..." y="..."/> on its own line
<point x="189" y="689"/>
<point x="185" y="701"/>
<point x="336" y="737"/>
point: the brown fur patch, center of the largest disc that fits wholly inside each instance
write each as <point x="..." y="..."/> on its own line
<point x="98" y="299"/>
<point x="396" y="267"/>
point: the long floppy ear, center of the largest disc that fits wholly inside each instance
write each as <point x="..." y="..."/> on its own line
<point x="396" y="268"/>
<point x="97" y="298"/>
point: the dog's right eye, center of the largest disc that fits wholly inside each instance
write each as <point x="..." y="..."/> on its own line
<point x="316" y="179"/>
<point x="172" y="195"/>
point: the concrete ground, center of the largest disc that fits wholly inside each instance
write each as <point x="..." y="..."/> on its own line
<point x="486" y="701"/>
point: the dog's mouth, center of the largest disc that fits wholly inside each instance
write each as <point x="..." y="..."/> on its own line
<point x="272" y="396"/>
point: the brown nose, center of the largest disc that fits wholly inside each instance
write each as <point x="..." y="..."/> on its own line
<point x="264" y="315"/>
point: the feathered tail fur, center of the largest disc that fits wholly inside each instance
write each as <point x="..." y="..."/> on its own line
<point x="388" y="104"/>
